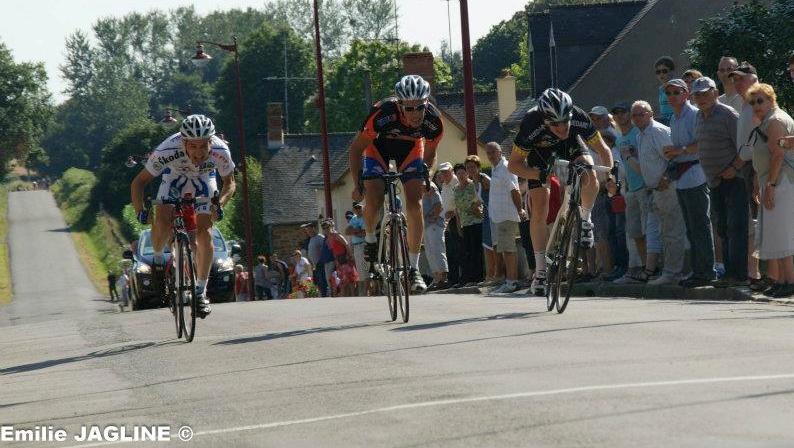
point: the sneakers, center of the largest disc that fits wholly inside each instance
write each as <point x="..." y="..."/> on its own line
<point x="417" y="282"/>
<point x="539" y="284"/>
<point x="586" y="239"/>
<point x="509" y="286"/>
<point x="371" y="252"/>
<point x="664" y="279"/>
<point x="204" y="308"/>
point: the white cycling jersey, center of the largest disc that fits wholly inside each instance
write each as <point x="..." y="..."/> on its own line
<point x="180" y="175"/>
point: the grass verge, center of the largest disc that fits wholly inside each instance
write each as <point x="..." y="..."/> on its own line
<point x="5" y="271"/>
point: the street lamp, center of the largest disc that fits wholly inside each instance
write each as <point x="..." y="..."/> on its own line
<point x="201" y="59"/>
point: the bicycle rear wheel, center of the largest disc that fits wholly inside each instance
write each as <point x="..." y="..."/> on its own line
<point x="187" y="289"/>
<point x="402" y="268"/>
<point x="574" y="234"/>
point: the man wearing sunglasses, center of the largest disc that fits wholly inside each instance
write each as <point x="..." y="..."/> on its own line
<point x="550" y="129"/>
<point x="405" y="128"/>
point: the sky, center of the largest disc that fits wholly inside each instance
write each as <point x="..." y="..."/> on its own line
<point x="35" y="30"/>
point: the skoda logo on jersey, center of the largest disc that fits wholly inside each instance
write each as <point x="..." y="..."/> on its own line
<point x="166" y="160"/>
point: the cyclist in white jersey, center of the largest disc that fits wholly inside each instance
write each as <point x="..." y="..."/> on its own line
<point x="188" y="162"/>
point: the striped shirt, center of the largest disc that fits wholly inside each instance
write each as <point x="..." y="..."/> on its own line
<point x="716" y="136"/>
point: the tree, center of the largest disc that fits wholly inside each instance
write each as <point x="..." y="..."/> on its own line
<point x="499" y="49"/>
<point x="37" y="160"/>
<point x="113" y="176"/>
<point x="257" y="55"/>
<point x="25" y="108"/>
<point x="346" y="105"/>
<point x="755" y="32"/>
<point x="340" y="21"/>
<point x="236" y="217"/>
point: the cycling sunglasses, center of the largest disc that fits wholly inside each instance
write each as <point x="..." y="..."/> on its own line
<point x="418" y="108"/>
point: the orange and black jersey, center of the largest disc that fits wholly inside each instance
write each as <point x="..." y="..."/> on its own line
<point x="536" y="142"/>
<point x="391" y="138"/>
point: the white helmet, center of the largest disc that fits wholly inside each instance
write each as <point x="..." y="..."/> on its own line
<point x="556" y="105"/>
<point x="412" y="87"/>
<point x="196" y="127"/>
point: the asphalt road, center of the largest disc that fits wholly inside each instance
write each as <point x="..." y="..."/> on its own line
<point x="466" y="371"/>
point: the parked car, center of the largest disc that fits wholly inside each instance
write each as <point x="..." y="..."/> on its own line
<point x="220" y="286"/>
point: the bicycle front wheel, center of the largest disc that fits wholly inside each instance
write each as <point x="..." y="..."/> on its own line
<point x="388" y="276"/>
<point x="556" y="255"/>
<point x="186" y="292"/>
<point x="402" y="268"/>
<point x="571" y="262"/>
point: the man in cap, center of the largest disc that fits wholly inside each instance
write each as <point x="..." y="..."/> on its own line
<point x="715" y="132"/>
<point x="602" y="122"/>
<point x="691" y="187"/>
<point x="727" y="65"/>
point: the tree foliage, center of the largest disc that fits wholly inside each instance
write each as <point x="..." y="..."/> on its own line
<point x="499" y="49"/>
<point x="25" y="107"/>
<point x="341" y="21"/>
<point x="262" y="56"/>
<point x="234" y="212"/>
<point x="381" y="62"/>
<point x="756" y="32"/>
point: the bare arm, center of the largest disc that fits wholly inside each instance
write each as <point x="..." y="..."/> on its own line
<point x="518" y="166"/>
<point x="229" y="187"/>
<point x="137" y="188"/>
<point x="777" y="153"/>
<point x="356" y="152"/>
<point x="603" y="151"/>
<point x="430" y="153"/>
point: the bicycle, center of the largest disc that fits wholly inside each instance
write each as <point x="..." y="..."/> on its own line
<point x="563" y="247"/>
<point x="180" y="288"/>
<point x="393" y="269"/>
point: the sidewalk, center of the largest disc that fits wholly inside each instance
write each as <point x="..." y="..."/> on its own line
<point x="645" y="291"/>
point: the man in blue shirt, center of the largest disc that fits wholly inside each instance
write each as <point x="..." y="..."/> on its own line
<point x="691" y="186"/>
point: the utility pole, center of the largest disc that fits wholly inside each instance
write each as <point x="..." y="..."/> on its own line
<point x="468" y="81"/>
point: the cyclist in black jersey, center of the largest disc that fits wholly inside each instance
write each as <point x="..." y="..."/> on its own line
<point x="550" y="130"/>
<point x="406" y="128"/>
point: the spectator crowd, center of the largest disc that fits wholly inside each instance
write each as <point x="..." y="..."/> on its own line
<point x="705" y="198"/>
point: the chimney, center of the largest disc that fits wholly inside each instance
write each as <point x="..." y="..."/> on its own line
<point x="275" y="126"/>
<point x="506" y="93"/>
<point x="420" y="64"/>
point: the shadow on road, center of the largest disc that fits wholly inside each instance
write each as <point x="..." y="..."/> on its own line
<point x="302" y="332"/>
<point x="56" y="362"/>
<point x="470" y="320"/>
<point x="61" y="230"/>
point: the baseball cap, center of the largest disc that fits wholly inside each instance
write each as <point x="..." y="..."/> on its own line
<point x="623" y="105"/>
<point x="680" y="83"/>
<point x="599" y="110"/>
<point x="444" y="166"/>
<point x="744" y="69"/>
<point x="703" y="84"/>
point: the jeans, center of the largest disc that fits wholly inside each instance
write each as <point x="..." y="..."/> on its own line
<point x="472" y="253"/>
<point x="262" y="292"/>
<point x="617" y="239"/>
<point x="731" y="214"/>
<point x="695" y="205"/>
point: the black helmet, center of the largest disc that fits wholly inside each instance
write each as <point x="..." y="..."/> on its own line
<point x="556" y="105"/>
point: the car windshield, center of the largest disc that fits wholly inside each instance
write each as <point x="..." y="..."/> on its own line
<point x="146" y="243"/>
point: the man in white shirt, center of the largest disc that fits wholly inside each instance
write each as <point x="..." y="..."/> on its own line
<point x="505" y="209"/>
<point x="452" y="237"/>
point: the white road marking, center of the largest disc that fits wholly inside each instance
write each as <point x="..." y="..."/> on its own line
<point x="427" y="404"/>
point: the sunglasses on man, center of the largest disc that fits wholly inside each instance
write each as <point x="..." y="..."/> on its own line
<point x="558" y="122"/>
<point x="662" y="71"/>
<point x="673" y="92"/>
<point x="418" y="108"/>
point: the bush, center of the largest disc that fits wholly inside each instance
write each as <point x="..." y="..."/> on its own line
<point x="74" y="192"/>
